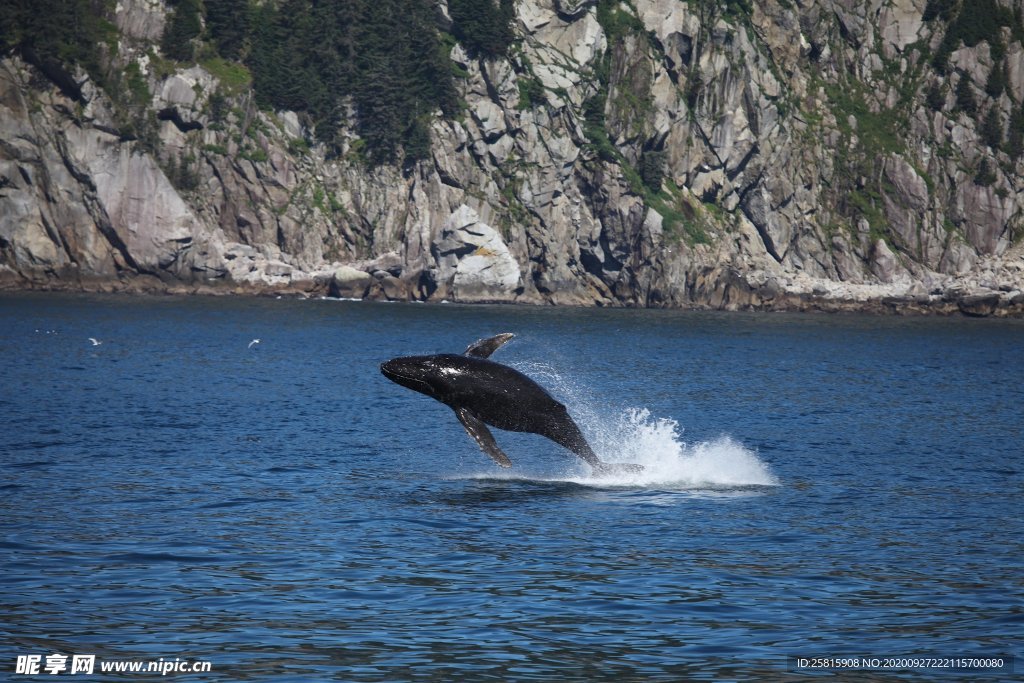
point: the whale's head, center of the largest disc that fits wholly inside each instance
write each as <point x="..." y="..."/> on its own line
<point x="430" y="375"/>
<point x="411" y="372"/>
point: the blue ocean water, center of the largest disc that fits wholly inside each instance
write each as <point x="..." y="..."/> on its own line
<point x="815" y="486"/>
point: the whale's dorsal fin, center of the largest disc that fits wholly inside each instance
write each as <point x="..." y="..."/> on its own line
<point x="482" y="435"/>
<point x="482" y="348"/>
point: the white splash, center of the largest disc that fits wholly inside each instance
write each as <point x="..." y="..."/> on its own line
<point x="670" y="462"/>
<point x="635" y="436"/>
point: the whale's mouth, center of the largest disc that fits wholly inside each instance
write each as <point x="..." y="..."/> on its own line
<point x="392" y="371"/>
<point x="395" y="372"/>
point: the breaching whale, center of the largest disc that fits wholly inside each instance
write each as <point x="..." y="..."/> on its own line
<point x="482" y="392"/>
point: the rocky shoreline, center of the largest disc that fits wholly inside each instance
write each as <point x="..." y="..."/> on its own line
<point x="737" y="295"/>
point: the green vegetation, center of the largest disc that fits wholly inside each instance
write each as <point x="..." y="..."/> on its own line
<point x="1015" y="133"/>
<point x="652" y="169"/>
<point x="594" y="128"/>
<point x="182" y="174"/>
<point x="965" y="100"/>
<point x="515" y="212"/>
<point x="631" y="106"/>
<point x="678" y="217"/>
<point x="741" y="8"/>
<point x="870" y="133"/>
<point x="992" y="130"/>
<point x="617" y="21"/>
<point x="531" y="91"/>
<point x="227" y="22"/>
<point x="876" y="131"/>
<point x="160" y="67"/>
<point x="137" y="87"/>
<point x="219" y="150"/>
<point x="996" y="83"/>
<point x="254" y="154"/>
<point x="986" y="175"/>
<point x="387" y="56"/>
<point x="866" y="204"/>
<point x="234" y="77"/>
<point x="710" y="11"/>
<point x="298" y="146"/>
<point x="484" y="27"/>
<point x="54" y="34"/>
<point x="183" y="27"/>
<point x="680" y="220"/>
<point x="386" y="59"/>
<point x="972" y="22"/>
<point x="940" y="9"/>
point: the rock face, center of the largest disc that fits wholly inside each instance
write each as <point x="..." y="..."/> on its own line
<point x="474" y="259"/>
<point x="797" y="155"/>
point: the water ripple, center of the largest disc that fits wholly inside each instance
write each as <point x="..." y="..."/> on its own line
<point x="818" y="485"/>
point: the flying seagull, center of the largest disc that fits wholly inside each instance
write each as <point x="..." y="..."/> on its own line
<point x="253" y="343"/>
<point x="95" y="341"/>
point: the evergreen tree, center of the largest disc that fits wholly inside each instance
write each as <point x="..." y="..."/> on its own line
<point x="53" y="35"/>
<point x="10" y="25"/>
<point x="282" y="77"/>
<point x="264" y="58"/>
<point x="416" y="141"/>
<point x="379" y="102"/>
<point x="992" y="129"/>
<point x="935" y="100"/>
<point x="970" y="22"/>
<point x="986" y="174"/>
<point x="1015" y="133"/>
<point x="652" y="169"/>
<point x="301" y="81"/>
<point x="996" y="82"/>
<point x="427" y="69"/>
<point x="183" y="27"/>
<point x="939" y="9"/>
<point x="965" y="101"/>
<point x="227" y="22"/>
<point x="385" y="55"/>
<point x="378" y="94"/>
<point x="483" y="27"/>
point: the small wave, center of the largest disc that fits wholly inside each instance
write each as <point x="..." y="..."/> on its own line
<point x="236" y="502"/>
<point x="151" y="558"/>
<point x="36" y="464"/>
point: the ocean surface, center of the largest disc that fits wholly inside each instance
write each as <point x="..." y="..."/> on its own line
<point x="814" y="487"/>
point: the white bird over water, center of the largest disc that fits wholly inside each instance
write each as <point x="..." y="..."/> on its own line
<point x="95" y="341"/>
<point x="253" y="343"/>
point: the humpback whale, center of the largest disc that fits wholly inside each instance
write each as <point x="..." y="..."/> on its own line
<point x="482" y="392"/>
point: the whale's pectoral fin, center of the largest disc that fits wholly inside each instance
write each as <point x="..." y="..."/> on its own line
<point x="482" y="348"/>
<point x="482" y="435"/>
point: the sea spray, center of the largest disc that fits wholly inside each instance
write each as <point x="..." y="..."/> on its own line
<point x="633" y="435"/>
<point x="637" y="436"/>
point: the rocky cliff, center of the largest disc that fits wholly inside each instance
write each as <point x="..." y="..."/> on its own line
<point x="771" y="154"/>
